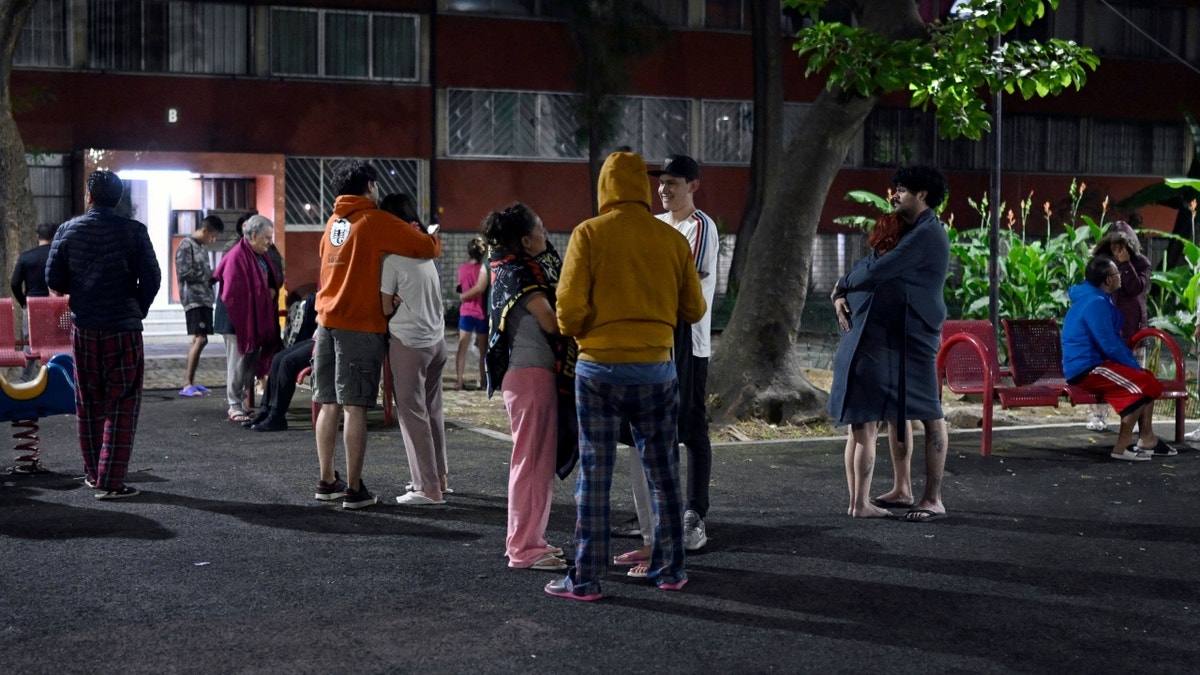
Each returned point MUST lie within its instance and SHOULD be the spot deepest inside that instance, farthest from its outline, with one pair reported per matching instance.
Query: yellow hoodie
(627, 276)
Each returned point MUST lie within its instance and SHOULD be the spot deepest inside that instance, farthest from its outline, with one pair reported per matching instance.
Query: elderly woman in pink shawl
(249, 287)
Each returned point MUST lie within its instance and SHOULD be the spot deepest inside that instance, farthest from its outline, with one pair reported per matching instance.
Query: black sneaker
(270, 424)
(119, 493)
(258, 418)
(358, 499)
(328, 492)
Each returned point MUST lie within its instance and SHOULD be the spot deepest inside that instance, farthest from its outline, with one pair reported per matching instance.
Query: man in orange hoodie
(351, 329)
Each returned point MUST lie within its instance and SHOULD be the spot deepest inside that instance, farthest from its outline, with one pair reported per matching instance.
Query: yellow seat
(26, 391)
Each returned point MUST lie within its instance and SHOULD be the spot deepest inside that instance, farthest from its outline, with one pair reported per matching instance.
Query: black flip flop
(1161, 449)
(922, 516)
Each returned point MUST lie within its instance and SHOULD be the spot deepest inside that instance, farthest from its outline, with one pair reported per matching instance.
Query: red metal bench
(968, 362)
(1035, 354)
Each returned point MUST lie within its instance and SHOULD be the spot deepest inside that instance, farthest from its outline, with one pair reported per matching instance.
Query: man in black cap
(678, 180)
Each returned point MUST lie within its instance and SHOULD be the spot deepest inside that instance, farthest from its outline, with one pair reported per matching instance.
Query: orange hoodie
(356, 238)
(627, 276)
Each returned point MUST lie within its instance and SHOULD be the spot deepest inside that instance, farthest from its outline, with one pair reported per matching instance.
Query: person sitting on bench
(1098, 360)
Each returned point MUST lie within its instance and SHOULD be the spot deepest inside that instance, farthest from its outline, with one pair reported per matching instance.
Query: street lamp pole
(994, 239)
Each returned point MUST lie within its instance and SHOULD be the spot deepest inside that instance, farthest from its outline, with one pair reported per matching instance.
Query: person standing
(1121, 244)
(678, 180)
(351, 329)
(106, 264)
(411, 294)
(29, 280)
(194, 276)
(627, 279)
(249, 291)
(867, 354)
(472, 322)
(913, 275)
(521, 362)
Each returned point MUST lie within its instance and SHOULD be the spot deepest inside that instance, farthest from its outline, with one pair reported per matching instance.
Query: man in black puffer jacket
(106, 263)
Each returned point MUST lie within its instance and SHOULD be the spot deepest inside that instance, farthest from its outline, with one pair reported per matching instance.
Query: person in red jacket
(351, 329)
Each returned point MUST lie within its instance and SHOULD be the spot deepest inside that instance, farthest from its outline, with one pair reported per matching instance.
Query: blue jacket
(106, 263)
(1091, 332)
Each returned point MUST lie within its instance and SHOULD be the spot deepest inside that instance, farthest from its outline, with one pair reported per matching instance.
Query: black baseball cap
(679, 165)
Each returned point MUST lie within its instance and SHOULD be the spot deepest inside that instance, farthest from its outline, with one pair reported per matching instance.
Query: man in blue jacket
(1096, 359)
(106, 263)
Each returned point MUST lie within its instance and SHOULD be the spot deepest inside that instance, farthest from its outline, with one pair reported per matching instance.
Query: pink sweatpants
(532, 403)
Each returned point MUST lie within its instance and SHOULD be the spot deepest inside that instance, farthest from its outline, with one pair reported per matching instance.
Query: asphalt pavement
(1053, 558)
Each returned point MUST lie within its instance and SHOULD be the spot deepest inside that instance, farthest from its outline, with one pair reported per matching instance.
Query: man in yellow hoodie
(626, 279)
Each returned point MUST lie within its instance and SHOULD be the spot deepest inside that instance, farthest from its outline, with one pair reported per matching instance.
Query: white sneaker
(694, 537)
(1131, 455)
(1097, 422)
(1193, 435)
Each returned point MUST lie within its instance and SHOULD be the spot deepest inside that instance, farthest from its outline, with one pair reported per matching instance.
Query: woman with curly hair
(523, 362)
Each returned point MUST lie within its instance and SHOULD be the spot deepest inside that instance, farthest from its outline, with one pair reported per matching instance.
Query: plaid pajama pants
(109, 367)
(652, 410)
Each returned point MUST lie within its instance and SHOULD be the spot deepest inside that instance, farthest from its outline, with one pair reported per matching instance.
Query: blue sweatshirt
(1091, 332)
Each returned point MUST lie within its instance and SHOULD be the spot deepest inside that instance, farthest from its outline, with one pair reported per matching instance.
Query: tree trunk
(17, 212)
(768, 126)
(756, 370)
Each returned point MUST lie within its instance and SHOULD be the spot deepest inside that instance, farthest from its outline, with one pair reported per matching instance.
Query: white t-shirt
(701, 234)
(420, 320)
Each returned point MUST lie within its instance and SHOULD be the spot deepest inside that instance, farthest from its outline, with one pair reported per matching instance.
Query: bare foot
(895, 496)
(936, 508)
(870, 511)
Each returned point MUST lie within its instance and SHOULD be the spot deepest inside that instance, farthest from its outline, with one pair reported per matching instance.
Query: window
(50, 182)
(654, 127)
(228, 194)
(1114, 36)
(45, 39)
(673, 12)
(347, 45)
(161, 36)
(1024, 143)
(1064, 145)
(730, 14)
(309, 196)
(484, 123)
(514, 7)
(897, 136)
(1137, 148)
(728, 131)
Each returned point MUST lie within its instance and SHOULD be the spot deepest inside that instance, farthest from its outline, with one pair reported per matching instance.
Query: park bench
(1035, 355)
(968, 362)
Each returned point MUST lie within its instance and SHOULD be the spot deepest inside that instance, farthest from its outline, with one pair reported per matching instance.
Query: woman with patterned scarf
(525, 358)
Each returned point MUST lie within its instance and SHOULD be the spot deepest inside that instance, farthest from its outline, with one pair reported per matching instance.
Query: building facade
(467, 104)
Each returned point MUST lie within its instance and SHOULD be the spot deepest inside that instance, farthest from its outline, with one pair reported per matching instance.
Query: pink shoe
(674, 586)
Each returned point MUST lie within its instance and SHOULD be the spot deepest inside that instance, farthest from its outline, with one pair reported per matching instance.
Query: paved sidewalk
(1053, 559)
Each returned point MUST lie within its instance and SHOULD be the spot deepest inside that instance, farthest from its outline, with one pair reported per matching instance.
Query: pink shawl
(250, 303)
